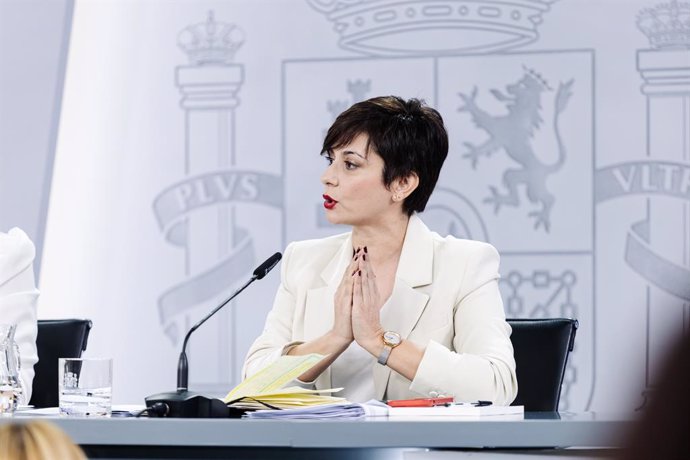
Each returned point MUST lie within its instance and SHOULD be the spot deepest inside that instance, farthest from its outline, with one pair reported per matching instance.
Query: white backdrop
(188, 152)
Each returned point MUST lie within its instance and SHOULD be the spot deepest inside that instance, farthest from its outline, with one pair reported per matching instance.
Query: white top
(445, 299)
(353, 371)
(18, 297)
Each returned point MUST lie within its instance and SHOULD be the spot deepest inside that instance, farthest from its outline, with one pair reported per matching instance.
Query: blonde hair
(37, 440)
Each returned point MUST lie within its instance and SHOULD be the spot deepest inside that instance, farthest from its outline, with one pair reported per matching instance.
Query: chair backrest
(57, 338)
(541, 352)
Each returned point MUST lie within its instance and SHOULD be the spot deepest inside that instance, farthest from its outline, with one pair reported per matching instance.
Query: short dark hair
(408, 135)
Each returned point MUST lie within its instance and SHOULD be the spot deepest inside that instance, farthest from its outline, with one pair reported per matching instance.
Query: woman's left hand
(366, 308)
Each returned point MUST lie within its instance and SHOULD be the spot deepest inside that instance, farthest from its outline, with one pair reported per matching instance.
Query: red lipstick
(328, 202)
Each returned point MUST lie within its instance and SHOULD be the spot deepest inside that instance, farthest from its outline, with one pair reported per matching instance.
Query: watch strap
(385, 353)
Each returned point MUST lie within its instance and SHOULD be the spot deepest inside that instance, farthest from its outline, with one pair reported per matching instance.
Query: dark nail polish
(364, 257)
(365, 249)
(360, 273)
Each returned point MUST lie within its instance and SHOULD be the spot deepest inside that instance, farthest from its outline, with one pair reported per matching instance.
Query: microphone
(186, 404)
(263, 269)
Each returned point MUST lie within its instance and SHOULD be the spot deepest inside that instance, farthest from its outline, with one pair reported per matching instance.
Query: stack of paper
(285, 398)
(457, 410)
(343, 411)
(266, 387)
(373, 408)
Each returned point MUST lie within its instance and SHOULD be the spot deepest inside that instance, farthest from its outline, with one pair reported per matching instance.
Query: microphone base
(188, 404)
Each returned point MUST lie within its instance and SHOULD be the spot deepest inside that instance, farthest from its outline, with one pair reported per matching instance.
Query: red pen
(420, 402)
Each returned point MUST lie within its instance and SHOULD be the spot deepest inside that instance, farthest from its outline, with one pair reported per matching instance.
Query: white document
(456, 410)
(343, 411)
(374, 408)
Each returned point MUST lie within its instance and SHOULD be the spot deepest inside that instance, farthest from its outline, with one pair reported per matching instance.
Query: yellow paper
(274, 376)
(289, 398)
(296, 397)
(298, 391)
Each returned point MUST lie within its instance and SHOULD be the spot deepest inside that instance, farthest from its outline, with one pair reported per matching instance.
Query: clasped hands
(358, 304)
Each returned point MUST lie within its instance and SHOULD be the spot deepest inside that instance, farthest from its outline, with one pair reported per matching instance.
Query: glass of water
(86, 386)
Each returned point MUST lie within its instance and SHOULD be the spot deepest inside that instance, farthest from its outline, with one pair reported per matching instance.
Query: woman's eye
(350, 165)
(329, 160)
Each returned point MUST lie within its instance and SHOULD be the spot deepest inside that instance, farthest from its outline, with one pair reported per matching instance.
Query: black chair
(57, 338)
(541, 353)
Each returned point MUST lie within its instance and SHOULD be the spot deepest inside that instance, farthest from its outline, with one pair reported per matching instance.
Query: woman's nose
(328, 177)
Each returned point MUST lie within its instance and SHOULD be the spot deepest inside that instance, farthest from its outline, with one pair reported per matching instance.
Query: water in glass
(10, 389)
(85, 387)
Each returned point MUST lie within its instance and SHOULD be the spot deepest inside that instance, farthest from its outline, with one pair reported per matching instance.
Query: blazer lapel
(406, 304)
(318, 314)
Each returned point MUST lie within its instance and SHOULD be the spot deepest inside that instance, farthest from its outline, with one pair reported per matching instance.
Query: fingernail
(365, 249)
(360, 273)
(353, 273)
(364, 257)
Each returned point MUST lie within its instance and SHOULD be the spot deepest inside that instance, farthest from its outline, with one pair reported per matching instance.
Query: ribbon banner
(662, 273)
(178, 200)
(205, 286)
(648, 178)
(208, 284)
(173, 208)
(642, 177)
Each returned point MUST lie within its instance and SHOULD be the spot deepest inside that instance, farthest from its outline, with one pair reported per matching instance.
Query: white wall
(34, 37)
(161, 205)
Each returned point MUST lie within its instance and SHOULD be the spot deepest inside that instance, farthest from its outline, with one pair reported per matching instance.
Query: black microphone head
(263, 269)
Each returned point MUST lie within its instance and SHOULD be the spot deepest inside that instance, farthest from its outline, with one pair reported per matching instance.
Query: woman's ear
(403, 187)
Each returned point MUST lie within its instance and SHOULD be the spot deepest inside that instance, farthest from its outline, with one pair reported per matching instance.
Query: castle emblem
(358, 90)
(512, 133)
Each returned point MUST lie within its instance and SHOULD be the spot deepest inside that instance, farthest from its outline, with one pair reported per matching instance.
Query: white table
(378, 438)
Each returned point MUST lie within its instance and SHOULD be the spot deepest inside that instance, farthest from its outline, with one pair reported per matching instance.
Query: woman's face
(354, 193)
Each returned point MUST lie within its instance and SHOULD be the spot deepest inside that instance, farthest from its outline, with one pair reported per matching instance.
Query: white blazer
(445, 299)
(18, 297)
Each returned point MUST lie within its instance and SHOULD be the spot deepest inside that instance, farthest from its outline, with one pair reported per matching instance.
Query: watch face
(391, 338)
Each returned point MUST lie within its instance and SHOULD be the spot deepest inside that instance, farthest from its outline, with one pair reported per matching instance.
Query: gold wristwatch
(390, 340)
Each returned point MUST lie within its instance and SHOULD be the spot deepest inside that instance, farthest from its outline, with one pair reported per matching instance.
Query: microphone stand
(182, 364)
(187, 404)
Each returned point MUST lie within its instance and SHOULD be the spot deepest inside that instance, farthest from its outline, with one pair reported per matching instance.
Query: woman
(37, 440)
(398, 311)
(18, 297)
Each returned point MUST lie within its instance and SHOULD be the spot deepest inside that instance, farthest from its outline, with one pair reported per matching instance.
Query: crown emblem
(211, 42)
(358, 89)
(536, 78)
(667, 25)
(392, 27)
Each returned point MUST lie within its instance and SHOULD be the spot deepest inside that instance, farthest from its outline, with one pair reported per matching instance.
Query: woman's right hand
(342, 324)
(334, 342)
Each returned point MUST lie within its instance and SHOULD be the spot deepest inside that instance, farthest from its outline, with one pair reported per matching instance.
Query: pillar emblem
(657, 247)
(198, 214)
